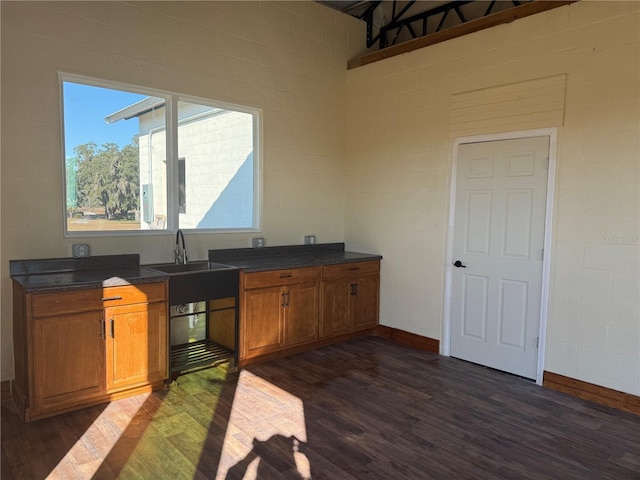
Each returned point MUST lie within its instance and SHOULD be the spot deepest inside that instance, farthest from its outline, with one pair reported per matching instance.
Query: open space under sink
(203, 294)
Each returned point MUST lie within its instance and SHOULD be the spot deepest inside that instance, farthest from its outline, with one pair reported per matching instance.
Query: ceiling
(392, 22)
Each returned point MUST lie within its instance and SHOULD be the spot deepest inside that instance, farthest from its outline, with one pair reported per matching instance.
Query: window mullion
(172, 163)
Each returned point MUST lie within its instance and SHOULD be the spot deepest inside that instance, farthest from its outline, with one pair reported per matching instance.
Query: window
(119, 176)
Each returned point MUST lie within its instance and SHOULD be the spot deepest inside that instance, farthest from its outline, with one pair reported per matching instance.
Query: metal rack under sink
(205, 293)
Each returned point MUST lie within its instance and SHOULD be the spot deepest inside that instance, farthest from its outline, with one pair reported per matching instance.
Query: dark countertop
(282, 258)
(61, 274)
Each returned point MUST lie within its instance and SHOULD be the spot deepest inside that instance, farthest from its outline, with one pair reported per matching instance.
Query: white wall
(287, 58)
(399, 154)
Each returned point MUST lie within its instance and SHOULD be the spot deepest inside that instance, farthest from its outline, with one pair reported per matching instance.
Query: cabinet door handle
(354, 289)
(286, 303)
(283, 294)
(113, 329)
(103, 329)
(106, 299)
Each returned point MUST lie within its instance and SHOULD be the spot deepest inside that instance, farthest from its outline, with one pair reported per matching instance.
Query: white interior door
(497, 251)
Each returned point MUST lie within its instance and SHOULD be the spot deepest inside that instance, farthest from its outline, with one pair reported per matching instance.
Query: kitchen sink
(189, 285)
(179, 268)
(199, 281)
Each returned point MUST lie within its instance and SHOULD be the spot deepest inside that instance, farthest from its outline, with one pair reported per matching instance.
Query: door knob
(458, 264)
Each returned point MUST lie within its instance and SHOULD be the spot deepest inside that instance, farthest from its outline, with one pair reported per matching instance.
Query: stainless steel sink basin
(199, 281)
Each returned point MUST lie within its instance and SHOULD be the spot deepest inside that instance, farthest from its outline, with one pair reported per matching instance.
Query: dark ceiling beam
(395, 19)
(367, 16)
(505, 16)
(398, 23)
(490, 7)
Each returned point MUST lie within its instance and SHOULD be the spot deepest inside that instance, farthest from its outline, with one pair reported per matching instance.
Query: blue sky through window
(86, 106)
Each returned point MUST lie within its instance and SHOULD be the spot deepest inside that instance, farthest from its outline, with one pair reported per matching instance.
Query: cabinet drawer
(281, 277)
(349, 269)
(127, 294)
(48, 304)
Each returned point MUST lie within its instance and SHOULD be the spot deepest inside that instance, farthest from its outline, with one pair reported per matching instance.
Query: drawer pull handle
(286, 275)
(354, 268)
(106, 299)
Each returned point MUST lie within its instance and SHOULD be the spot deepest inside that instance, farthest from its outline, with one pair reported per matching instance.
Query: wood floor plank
(363, 409)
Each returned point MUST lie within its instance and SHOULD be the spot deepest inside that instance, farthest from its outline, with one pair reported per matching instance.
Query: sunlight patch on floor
(171, 427)
(264, 418)
(86, 456)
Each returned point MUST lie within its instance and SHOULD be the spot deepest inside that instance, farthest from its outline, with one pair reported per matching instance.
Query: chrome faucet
(180, 254)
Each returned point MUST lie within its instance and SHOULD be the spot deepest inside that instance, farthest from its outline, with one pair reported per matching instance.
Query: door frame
(552, 133)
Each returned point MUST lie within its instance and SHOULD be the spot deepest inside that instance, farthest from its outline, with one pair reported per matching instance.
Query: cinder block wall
(287, 58)
(399, 160)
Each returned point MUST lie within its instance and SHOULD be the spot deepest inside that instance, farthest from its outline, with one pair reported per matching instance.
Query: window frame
(171, 123)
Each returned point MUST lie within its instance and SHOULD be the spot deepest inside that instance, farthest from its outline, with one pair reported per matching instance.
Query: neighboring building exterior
(214, 171)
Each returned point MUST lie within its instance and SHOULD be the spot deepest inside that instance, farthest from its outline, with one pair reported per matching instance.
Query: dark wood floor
(364, 409)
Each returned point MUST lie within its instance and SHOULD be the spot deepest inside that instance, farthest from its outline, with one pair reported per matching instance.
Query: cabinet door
(335, 307)
(262, 321)
(136, 344)
(68, 360)
(301, 314)
(364, 307)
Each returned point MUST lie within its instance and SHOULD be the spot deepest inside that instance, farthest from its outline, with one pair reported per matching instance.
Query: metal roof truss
(427, 22)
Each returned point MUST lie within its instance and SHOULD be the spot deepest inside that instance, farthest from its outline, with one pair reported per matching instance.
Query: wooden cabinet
(262, 321)
(136, 345)
(350, 295)
(335, 307)
(67, 360)
(292, 310)
(84, 347)
(364, 302)
(279, 310)
(300, 314)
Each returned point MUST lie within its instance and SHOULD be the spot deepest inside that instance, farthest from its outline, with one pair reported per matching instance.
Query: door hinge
(537, 342)
(547, 163)
(542, 254)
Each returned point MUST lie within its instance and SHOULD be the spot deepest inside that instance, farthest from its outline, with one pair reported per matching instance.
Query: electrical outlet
(80, 250)
(309, 239)
(257, 242)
